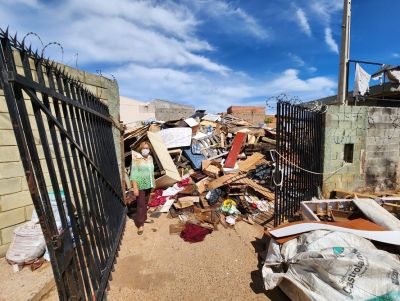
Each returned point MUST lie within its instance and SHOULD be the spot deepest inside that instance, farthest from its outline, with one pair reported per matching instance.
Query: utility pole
(344, 53)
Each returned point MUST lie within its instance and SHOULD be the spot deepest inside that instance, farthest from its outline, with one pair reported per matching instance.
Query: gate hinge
(57, 240)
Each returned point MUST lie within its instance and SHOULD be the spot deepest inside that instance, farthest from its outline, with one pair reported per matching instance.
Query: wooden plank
(250, 162)
(235, 149)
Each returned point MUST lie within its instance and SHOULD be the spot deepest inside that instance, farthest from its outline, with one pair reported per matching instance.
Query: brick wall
(15, 200)
(254, 115)
(375, 139)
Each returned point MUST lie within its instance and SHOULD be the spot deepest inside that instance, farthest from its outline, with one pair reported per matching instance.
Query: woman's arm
(134, 171)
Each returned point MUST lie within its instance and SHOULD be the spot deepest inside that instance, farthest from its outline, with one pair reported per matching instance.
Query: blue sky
(209, 53)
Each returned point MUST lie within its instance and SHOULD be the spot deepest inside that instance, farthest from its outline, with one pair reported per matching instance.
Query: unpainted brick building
(252, 114)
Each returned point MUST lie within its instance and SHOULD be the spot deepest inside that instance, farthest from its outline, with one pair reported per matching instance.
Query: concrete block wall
(375, 133)
(381, 164)
(167, 110)
(343, 125)
(15, 201)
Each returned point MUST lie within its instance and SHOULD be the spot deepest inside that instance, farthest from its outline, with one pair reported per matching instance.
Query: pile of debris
(209, 170)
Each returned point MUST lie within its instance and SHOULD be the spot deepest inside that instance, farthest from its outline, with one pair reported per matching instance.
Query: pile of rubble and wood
(209, 170)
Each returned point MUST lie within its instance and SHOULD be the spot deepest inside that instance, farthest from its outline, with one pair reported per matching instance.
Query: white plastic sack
(27, 245)
(57, 217)
(325, 265)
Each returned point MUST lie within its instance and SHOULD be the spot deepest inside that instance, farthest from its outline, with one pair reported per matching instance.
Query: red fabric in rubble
(194, 233)
(157, 199)
(184, 182)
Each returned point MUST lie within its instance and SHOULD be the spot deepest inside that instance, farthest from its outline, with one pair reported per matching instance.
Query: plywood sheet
(171, 175)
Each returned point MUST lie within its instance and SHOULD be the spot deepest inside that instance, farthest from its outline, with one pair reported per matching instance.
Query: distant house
(167, 110)
(133, 112)
(252, 114)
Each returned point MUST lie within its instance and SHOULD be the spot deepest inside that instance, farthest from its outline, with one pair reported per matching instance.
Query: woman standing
(142, 178)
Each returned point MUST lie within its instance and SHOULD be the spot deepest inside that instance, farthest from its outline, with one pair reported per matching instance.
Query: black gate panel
(299, 158)
(64, 136)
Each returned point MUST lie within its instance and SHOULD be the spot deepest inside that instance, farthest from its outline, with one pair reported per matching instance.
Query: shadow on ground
(257, 284)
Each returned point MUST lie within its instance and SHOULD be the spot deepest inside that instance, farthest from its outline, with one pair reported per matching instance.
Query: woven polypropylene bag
(27, 245)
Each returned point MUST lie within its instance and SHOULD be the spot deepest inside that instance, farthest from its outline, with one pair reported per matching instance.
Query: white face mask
(145, 152)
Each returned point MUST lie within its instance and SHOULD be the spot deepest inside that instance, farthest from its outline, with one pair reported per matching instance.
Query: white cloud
(313, 69)
(325, 8)
(333, 46)
(303, 21)
(290, 82)
(144, 32)
(296, 59)
(29, 3)
(215, 93)
(157, 52)
(396, 55)
(237, 19)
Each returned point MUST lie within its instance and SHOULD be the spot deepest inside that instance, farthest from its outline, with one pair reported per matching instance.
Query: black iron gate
(64, 136)
(299, 157)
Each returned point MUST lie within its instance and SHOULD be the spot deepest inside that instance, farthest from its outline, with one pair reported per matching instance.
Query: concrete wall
(167, 110)
(380, 166)
(376, 149)
(133, 112)
(15, 200)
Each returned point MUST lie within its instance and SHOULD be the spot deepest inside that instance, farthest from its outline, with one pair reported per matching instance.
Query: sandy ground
(160, 266)
(26, 284)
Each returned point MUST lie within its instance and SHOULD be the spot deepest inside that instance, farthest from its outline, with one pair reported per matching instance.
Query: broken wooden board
(171, 175)
(235, 149)
(202, 185)
(265, 192)
(269, 140)
(221, 181)
(210, 168)
(251, 162)
(181, 204)
(190, 198)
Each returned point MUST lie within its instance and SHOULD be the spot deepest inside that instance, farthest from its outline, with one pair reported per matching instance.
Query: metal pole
(344, 52)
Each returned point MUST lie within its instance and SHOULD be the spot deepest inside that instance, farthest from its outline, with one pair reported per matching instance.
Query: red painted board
(235, 149)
